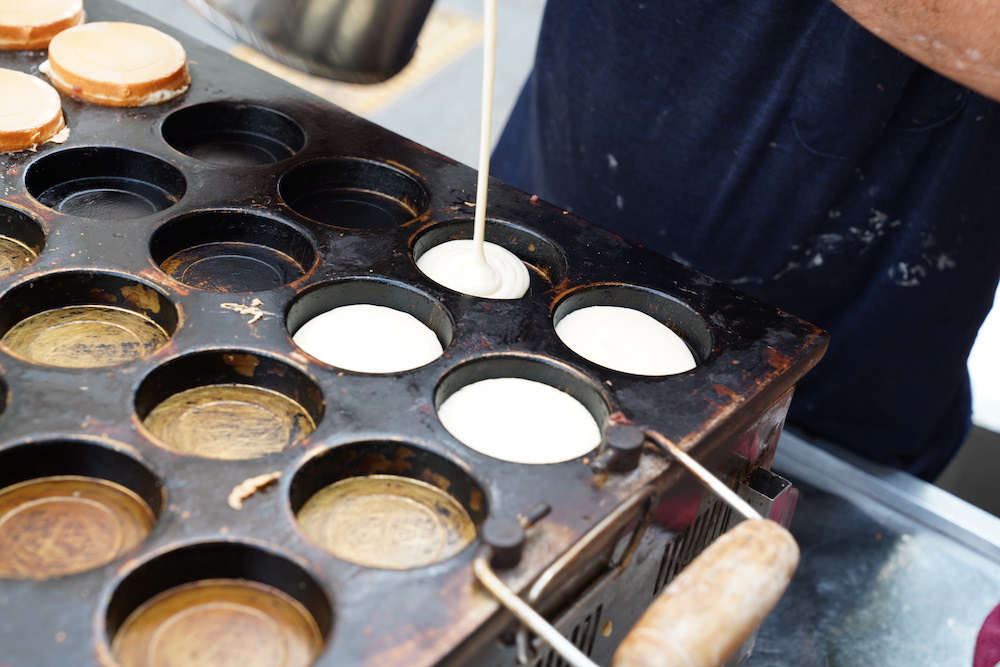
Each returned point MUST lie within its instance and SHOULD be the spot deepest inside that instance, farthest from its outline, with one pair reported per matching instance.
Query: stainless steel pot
(358, 41)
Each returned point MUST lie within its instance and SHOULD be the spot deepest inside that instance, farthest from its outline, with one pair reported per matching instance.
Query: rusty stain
(142, 297)
(777, 359)
(99, 296)
(723, 390)
(618, 417)
(476, 501)
(244, 364)
(377, 463)
(250, 486)
(435, 479)
(180, 287)
(380, 463)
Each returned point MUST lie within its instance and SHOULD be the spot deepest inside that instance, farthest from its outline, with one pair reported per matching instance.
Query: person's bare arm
(958, 38)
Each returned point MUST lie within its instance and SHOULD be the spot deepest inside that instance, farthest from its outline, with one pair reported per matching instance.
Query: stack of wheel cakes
(186, 480)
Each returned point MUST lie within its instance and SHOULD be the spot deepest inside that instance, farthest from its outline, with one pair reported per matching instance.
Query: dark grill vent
(583, 636)
(711, 522)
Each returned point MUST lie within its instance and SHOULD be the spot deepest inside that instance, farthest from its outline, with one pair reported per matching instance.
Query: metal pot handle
(706, 613)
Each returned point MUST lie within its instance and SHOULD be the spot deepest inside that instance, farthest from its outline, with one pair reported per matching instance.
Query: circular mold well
(354, 193)
(105, 183)
(621, 332)
(225, 604)
(233, 134)
(85, 319)
(21, 239)
(545, 261)
(232, 251)
(522, 409)
(370, 325)
(229, 405)
(71, 506)
(387, 505)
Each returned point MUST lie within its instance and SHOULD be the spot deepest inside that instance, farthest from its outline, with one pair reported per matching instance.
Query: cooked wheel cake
(117, 64)
(31, 25)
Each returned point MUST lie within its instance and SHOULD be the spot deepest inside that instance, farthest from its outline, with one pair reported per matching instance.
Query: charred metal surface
(297, 198)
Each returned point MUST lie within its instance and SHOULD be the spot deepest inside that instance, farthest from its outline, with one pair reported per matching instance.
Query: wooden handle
(716, 602)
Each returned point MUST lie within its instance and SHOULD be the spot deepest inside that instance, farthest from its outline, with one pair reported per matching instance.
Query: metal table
(894, 571)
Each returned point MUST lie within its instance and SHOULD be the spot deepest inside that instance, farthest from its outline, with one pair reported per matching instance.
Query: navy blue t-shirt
(779, 146)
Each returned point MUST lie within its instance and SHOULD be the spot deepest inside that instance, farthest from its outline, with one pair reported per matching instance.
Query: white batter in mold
(369, 339)
(477, 267)
(626, 340)
(521, 421)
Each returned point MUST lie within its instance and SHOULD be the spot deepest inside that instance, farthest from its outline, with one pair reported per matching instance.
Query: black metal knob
(623, 448)
(506, 539)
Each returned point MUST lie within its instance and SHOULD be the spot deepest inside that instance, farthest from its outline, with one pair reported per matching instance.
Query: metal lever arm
(716, 602)
(708, 611)
(564, 647)
(720, 599)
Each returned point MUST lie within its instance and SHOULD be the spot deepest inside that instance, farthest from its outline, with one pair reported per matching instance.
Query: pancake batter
(369, 339)
(626, 340)
(519, 420)
(477, 267)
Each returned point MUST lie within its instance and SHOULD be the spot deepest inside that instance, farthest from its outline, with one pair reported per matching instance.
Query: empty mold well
(226, 604)
(105, 183)
(85, 319)
(387, 504)
(228, 404)
(233, 133)
(354, 193)
(71, 506)
(232, 251)
(21, 239)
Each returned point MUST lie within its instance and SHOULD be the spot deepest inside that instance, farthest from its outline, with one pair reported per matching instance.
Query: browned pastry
(117, 64)
(31, 24)
(30, 111)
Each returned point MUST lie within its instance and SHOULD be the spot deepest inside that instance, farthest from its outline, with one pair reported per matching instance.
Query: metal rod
(564, 647)
(565, 561)
(704, 476)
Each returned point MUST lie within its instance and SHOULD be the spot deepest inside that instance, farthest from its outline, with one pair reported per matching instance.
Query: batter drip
(476, 267)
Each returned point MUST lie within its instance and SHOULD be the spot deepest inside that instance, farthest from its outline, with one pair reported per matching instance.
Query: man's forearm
(958, 38)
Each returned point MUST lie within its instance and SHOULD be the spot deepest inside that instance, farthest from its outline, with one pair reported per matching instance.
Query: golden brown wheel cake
(30, 111)
(30, 24)
(117, 64)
